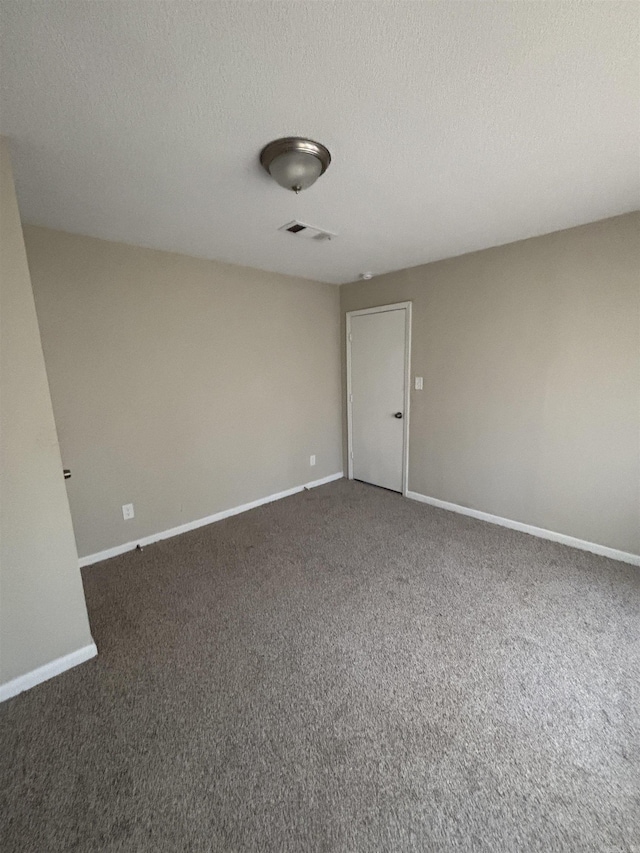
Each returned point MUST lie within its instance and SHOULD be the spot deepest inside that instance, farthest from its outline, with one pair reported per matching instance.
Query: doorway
(378, 369)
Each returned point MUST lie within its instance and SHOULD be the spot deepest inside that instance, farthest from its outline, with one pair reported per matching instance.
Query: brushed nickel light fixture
(295, 163)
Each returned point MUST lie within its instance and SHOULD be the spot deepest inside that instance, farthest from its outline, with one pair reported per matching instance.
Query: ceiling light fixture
(295, 163)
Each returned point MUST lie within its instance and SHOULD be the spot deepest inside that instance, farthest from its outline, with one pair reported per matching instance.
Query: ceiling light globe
(295, 170)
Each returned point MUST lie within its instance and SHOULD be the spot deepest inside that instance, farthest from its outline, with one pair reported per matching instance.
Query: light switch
(419, 381)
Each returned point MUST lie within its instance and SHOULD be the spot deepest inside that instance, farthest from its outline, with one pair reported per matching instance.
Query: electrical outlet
(312, 460)
(419, 383)
(127, 511)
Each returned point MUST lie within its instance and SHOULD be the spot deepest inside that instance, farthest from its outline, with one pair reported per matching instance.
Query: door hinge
(350, 337)
(351, 398)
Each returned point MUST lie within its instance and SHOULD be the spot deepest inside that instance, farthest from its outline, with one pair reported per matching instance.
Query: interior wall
(42, 609)
(183, 386)
(530, 354)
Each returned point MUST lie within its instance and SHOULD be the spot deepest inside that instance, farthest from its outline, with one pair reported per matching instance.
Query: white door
(378, 369)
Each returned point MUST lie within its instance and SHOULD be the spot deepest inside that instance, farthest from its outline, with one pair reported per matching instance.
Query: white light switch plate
(312, 460)
(419, 381)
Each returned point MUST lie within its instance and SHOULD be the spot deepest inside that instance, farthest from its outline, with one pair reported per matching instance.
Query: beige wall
(183, 386)
(42, 609)
(530, 354)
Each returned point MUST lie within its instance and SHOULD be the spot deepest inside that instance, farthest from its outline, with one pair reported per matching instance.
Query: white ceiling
(453, 126)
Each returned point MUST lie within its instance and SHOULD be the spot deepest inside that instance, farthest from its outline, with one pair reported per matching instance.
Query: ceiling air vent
(308, 232)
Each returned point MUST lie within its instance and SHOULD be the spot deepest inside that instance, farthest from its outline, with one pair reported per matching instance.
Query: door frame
(382, 309)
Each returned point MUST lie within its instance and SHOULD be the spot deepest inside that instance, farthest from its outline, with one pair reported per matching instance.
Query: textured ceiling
(453, 126)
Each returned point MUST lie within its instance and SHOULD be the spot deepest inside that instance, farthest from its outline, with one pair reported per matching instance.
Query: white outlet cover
(419, 383)
(127, 511)
(312, 460)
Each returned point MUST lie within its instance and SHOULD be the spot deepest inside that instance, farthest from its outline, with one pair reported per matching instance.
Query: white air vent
(308, 232)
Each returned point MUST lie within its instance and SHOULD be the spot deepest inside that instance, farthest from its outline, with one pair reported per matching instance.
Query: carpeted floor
(343, 670)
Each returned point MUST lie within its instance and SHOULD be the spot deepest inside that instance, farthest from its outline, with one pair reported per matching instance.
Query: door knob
(398, 415)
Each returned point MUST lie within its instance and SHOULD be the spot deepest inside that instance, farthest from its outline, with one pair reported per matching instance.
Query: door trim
(381, 309)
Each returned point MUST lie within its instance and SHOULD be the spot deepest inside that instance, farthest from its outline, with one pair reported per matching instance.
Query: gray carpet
(343, 670)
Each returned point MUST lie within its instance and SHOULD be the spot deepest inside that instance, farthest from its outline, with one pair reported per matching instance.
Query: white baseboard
(47, 671)
(201, 522)
(582, 544)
